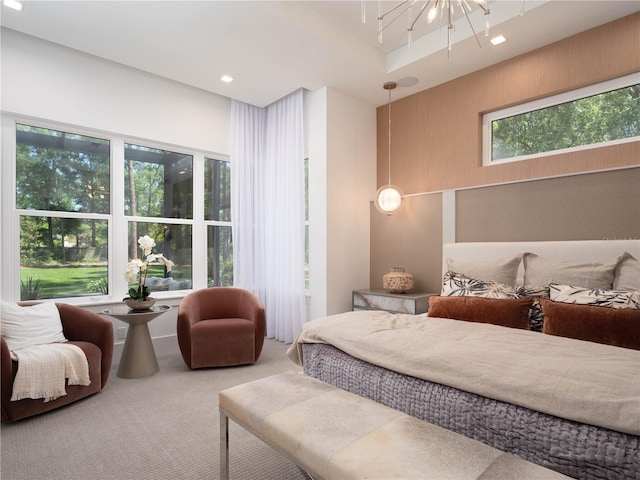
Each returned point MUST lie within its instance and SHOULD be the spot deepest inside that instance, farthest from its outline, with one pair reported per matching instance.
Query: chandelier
(444, 10)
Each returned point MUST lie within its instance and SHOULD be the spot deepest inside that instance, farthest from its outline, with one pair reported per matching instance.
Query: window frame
(117, 236)
(577, 94)
(213, 223)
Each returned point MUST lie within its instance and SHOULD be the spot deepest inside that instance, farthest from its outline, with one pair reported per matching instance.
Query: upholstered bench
(333, 434)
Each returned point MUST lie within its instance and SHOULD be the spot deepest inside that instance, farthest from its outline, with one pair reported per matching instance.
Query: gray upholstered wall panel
(577, 207)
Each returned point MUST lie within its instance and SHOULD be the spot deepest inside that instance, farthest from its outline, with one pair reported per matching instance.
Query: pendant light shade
(388, 197)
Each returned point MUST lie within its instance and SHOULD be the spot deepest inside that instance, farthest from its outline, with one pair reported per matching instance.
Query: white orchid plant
(137, 268)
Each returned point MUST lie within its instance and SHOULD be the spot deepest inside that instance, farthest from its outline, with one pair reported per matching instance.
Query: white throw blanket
(42, 370)
(581, 381)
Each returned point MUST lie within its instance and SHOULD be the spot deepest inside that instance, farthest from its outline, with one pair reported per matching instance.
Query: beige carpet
(160, 427)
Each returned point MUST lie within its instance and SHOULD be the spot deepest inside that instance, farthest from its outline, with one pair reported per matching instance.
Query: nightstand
(413, 303)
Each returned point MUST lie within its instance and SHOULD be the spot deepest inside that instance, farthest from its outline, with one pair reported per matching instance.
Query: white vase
(135, 304)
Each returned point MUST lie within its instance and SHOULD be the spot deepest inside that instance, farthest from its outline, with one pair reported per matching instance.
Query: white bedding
(581, 381)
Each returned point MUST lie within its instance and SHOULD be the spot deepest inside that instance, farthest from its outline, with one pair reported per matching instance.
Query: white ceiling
(272, 48)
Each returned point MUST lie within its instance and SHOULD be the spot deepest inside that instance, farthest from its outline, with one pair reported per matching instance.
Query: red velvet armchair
(220, 326)
(88, 330)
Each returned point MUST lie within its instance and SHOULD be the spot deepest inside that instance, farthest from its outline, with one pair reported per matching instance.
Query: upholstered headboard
(578, 251)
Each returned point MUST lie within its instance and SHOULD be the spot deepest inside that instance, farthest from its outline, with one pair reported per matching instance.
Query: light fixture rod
(389, 86)
(388, 197)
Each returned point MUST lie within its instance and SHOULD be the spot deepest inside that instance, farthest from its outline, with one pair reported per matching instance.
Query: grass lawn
(72, 281)
(64, 281)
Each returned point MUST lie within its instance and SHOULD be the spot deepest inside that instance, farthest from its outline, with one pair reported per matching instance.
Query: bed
(566, 397)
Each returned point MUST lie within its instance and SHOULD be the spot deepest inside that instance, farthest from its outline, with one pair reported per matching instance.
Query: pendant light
(388, 197)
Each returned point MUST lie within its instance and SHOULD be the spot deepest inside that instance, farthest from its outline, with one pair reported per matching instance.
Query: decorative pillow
(456, 284)
(536, 315)
(34, 325)
(627, 274)
(604, 298)
(610, 326)
(504, 270)
(508, 312)
(542, 271)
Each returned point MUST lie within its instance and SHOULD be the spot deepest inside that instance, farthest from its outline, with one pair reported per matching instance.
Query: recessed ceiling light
(13, 4)
(226, 79)
(498, 40)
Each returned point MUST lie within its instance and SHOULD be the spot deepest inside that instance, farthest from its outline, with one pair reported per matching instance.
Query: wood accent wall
(436, 134)
(436, 137)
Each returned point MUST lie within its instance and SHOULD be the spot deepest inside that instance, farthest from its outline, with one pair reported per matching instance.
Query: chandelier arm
(419, 14)
(466, 15)
(464, 5)
(480, 4)
(381, 17)
(392, 20)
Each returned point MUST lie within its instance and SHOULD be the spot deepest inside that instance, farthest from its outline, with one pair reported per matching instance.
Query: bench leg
(224, 447)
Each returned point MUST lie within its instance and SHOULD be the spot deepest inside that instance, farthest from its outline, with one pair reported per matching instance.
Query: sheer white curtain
(268, 209)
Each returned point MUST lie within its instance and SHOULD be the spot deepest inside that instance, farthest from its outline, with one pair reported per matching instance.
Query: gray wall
(579, 207)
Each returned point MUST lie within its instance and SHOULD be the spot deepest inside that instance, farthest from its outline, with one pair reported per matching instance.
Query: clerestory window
(599, 115)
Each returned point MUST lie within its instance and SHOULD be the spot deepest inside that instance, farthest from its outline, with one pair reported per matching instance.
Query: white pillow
(627, 273)
(27, 326)
(504, 270)
(542, 271)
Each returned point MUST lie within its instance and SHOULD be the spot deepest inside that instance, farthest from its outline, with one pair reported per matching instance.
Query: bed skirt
(574, 449)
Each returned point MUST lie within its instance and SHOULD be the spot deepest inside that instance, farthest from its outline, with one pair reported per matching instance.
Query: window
(79, 201)
(217, 181)
(595, 116)
(159, 184)
(62, 198)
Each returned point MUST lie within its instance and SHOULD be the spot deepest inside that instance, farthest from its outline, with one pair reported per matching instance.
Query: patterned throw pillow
(458, 285)
(618, 299)
(536, 315)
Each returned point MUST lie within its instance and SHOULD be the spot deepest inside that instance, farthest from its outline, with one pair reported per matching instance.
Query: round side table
(138, 356)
